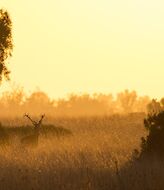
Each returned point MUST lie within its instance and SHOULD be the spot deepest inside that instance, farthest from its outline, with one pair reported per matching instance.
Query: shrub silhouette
(153, 144)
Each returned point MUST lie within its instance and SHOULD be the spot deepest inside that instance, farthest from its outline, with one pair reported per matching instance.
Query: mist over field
(84, 158)
(16, 103)
(98, 137)
(83, 143)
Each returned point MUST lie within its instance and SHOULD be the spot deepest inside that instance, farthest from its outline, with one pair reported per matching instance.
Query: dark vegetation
(6, 44)
(153, 143)
(145, 169)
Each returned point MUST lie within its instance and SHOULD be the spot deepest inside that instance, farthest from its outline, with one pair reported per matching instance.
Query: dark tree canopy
(153, 144)
(6, 43)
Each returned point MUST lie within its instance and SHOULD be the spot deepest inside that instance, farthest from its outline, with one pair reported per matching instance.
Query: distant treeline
(17, 103)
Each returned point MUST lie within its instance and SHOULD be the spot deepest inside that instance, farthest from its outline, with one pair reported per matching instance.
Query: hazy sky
(65, 46)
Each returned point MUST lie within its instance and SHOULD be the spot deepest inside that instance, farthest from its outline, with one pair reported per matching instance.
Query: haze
(87, 46)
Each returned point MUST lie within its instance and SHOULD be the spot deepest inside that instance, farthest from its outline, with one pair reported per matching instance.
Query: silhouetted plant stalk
(120, 181)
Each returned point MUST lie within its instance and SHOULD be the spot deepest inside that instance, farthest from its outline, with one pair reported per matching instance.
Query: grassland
(96, 155)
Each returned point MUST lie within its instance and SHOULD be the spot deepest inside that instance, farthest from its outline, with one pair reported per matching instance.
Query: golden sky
(65, 46)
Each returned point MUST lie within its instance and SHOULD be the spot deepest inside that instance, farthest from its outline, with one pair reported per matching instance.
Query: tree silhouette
(153, 144)
(126, 101)
(6, 43)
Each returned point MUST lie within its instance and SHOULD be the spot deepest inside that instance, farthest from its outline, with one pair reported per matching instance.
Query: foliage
(127, 100)
(6, 44)
(16, 102)
(153, 144)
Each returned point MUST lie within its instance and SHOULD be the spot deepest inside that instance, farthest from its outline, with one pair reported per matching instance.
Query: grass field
(85, 153)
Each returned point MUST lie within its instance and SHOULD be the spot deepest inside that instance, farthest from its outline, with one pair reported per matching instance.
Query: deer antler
(42, 116)
(40, 121)
(25, 115)
(36, 124)
(33, 122)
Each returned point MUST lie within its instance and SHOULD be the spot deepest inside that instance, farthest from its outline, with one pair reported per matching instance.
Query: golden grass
(96, 156)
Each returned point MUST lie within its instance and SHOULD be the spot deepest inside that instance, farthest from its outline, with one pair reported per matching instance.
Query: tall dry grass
(96, 156)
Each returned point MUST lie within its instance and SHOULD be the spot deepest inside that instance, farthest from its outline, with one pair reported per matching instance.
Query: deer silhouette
(33, 138)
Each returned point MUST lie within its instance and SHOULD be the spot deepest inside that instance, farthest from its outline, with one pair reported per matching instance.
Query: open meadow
(79, 153)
